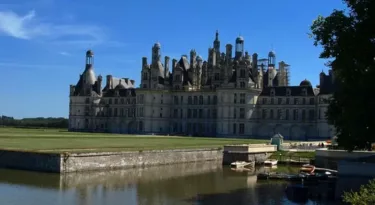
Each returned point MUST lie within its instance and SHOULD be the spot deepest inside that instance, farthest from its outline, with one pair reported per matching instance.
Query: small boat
(307, 168)
(270, 162)
(240, 164)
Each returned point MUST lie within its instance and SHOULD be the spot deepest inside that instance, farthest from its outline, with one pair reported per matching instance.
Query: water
(199, 183)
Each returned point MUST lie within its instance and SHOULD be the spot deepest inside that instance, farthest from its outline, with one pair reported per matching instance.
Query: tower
(239, 47)
(156, 53)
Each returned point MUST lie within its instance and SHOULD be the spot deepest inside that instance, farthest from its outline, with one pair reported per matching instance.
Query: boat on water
(270, 162)
(240, 164)
(307, 169)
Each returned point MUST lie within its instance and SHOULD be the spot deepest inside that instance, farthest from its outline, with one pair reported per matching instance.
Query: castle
(225, 96)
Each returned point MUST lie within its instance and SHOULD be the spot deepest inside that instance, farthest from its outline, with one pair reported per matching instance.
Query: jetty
(257, 153)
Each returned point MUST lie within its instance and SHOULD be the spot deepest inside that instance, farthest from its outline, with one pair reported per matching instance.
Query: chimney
(228, 51)
(174, 63)
(166, 66)
(109, 82)
(99, 85)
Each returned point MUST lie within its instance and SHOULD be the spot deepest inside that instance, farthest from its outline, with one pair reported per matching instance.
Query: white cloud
(64, 53)
(29, 27)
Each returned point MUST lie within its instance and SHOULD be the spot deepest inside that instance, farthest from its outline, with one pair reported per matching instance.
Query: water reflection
(196, 183)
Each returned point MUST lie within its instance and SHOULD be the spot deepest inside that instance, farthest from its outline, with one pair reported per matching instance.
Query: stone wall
(33, 161)
(330, 158)
(258, 158)
(117, 160)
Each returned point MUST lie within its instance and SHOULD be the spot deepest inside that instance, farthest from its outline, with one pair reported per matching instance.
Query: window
(175, 100)
(110, 101)
(303, 114)
(279, 114)
(141, 112)
(201, 100)
(195, 115)
(195, 100)
(242, 73)
(264, 114)
(177, 78)
(312, 101)
(115, 112)
(311, 114)
(287, 101)
(182, 100)
(279, 101)
(242, 128)
(235, 113)
(304, 92)
(140, 126)
(242, 98)
(295, 114)
(144, 86)
(217, 76)
(122, 112)
(242, 84)
(271, 114)
(122, 101)
(235, 98)
(272, 101)
(296, 101)
(303, 101)
(208, 99)
(234, 128)
(272, 92)
(190, 100)
(319, 114)
(288, 92)
(242, 113)
(181, 113)
(215, 100)
(109, 111)
(287, 114)
(175, 113)
(144, 76)
(200, 113)
(189, 113)
(208, 113)
(214, 113)
(141, 99)
(264, 101)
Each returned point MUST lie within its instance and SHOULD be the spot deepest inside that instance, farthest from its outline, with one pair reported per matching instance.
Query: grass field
(53, 140)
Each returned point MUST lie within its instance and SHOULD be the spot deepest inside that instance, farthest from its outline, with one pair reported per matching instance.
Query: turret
(174, 63)
(217, 47)
(99, 85)
(89, 75)
(144, 62)
(255, 64)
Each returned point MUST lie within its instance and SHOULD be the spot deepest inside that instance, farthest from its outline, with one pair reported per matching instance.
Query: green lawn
(53, 140)
(292, 155)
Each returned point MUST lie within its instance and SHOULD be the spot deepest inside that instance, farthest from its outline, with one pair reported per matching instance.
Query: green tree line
(38, 122)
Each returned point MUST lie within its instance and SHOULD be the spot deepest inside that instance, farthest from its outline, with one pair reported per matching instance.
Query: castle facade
(231, 94)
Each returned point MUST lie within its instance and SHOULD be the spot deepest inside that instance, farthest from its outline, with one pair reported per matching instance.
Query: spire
(217, 35)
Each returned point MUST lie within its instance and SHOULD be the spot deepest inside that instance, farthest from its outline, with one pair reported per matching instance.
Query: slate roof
(282, 90)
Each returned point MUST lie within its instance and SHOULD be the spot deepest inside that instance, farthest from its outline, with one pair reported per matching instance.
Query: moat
(197, 183)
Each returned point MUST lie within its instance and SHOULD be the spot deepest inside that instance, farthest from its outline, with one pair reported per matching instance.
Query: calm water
(199, 183)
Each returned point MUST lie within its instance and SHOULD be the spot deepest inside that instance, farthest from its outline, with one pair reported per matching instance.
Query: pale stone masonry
(231, 96)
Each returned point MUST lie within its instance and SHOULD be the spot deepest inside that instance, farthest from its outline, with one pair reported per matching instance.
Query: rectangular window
(264, 101)
(195, 113)
(242, 113)
(208, 99)
(303, 114)
(295, 114)
(200, 113)
(264, 114)
(287, 101)
(312, 101)
(189, 113)
(287, 114)
(311, 114)
(234, 113)
(175, 113)
(217, 76)
(214, 113)
(272, 101)
(271, 114)
(141, 111)
(296, 101)
(242, 98)
(116, 101)
(242, 128)
(235, 98)
(234, 128)
(279, 114)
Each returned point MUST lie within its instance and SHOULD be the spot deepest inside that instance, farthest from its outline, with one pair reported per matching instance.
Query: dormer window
(272, 92)
(288, 92)
(304, 92)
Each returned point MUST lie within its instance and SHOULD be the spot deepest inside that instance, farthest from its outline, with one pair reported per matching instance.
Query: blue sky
(43, 42)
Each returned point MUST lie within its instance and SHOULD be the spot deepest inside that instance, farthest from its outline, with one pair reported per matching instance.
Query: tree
(365, 195)
(348, 41)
